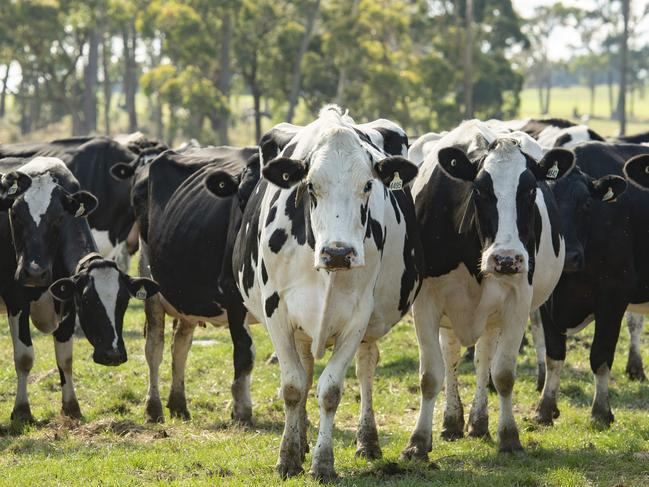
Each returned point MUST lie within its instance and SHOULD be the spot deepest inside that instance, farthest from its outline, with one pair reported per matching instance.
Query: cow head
(636, 170)
(36, 218)
(337, 178)
(101, 292)
(504, 190)
(575, 195)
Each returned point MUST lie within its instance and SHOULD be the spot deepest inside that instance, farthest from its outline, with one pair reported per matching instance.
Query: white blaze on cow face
(339, 182)
(106, 281)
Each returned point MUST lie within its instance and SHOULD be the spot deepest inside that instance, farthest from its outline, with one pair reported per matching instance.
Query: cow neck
(77, 245)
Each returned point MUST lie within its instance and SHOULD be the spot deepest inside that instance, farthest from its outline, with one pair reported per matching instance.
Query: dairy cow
(494, 251)
(328, 253)
(43, 238)
(607, 273)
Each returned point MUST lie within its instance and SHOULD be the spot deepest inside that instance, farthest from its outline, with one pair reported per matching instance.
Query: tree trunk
(256, 96)
(225, 76)
(468, 62)
(592, 98)
(130, 81)
(23, 99)
(540, 92)
(3, 94)
(297, 67)
(609, 81)
(90, 84)
(106, 52)
(624, 45)
(548, 94)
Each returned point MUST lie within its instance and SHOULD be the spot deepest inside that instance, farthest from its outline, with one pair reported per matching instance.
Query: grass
(113, 446)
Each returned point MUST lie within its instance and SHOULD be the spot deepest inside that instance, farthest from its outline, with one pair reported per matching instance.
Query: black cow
(43, 239)
(185, 247)
(607, 268)
(641, 138)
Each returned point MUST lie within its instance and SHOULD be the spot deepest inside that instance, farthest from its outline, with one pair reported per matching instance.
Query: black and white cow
(549, 132)
(42, 239)
(494, 251)
(185, 247)
(327, 254)
(640, 138)
(610, 270)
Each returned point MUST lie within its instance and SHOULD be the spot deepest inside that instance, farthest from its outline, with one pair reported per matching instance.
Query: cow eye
(309, 188)
(368, 187)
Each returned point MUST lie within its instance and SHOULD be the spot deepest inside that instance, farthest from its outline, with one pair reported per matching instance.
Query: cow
(640, 138)
(607, 272)
(328, 253)
(175, 212)
(44, 239)
(494, 251)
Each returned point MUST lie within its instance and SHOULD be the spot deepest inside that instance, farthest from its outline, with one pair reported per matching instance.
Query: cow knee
(504, 381)
(24, 362)
(330, 397)
(292, 394)
(431, 384)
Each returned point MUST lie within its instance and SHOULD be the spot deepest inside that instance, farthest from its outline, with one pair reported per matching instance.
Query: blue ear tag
(609, 195)
(13, 189)
(80, 211)
(141, 293)
(396, 184)
(553, 172)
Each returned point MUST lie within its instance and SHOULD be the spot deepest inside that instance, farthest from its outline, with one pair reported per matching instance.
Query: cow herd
(328, 234)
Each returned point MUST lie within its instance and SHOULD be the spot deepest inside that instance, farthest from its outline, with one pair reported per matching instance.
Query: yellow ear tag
(80, 211)
(609, 195)
(141, 293)
(13, 189)
(396, 184)
(553, 172)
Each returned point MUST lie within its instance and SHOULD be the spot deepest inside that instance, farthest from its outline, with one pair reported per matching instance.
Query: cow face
(338, 180)
(101, 293)
(504, 191)
(36, 218)
(575, 195)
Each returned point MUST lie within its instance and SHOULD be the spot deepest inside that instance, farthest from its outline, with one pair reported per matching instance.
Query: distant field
(565, 100)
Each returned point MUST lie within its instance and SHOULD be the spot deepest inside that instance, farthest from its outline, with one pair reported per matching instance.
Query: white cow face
(337, 182)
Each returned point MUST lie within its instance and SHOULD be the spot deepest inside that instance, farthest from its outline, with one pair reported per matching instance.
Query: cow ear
(141, 287)
(395, 171)
(14, 184)
(607, 188)
(285, 172)
(80, 203)
(636, 170)
(456, 164)
(221, 184)
(122, 171)
(63, 289)
(555, 164)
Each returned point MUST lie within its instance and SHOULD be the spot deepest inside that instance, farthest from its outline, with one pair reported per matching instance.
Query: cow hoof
(479, 427)
(289, 469)
(71, 409)
(546, 412)
(602, 419)
(242, 417)
(453, 428)
(153, 411)
(417, 448)
(324, 474)
(177, 405)
(369, 451)
(540, 377)
(635, 370)
(509, 442)
(22, 414)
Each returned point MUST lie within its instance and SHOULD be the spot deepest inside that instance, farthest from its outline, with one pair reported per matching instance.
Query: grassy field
(113, 446)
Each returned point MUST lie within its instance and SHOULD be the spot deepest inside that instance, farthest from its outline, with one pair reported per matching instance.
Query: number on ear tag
(80, 211)
(553, 172)
(13, 189)
(396, 184)
(141, 293)
(609, 195)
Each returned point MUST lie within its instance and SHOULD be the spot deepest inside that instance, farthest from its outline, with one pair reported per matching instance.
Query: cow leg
(244, 361)
(453, 426)
(306, 357)
(180, 345)
(63, 345)
(555, 341)
(634, 366)
(484, 351)
(536, 326)
(154, 329)
(330, 388)
(431, 374)
(367, 438)
(503, 372)
(23, 362)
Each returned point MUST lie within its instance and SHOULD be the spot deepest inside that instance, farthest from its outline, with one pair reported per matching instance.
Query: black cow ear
(221, 184)
(80, 203)
(636, 170)
(285, 172)
(555, 164)
(14, 184)
(63, 289)
(456, 164)
(607, 188)
(141, 287)
(396, 171)
(122, 171)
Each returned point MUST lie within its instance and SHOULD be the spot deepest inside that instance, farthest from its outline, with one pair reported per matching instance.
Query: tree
(624, 55)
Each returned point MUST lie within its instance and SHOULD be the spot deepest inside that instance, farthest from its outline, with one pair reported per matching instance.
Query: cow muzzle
(574, 261)
(337, 256)
(506, 263)
(34, 275)
(110, 357)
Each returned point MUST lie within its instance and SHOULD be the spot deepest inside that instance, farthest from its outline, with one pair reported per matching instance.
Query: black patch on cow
(288, 151)
(395, 206)
(364, 213)
(299, 215)
(366, 138)
(595, 136)
(538, 228)
(374, 229)
(264, 272)
(271, 215)
(393, 141)
(61, 376)
(563, 140)
(271, 304)
(277, 240)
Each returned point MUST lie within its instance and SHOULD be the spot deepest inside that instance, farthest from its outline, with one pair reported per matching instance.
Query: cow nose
(574, 261)
(337, 257)
(34, 275)
(508, 263)
(110, 357)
